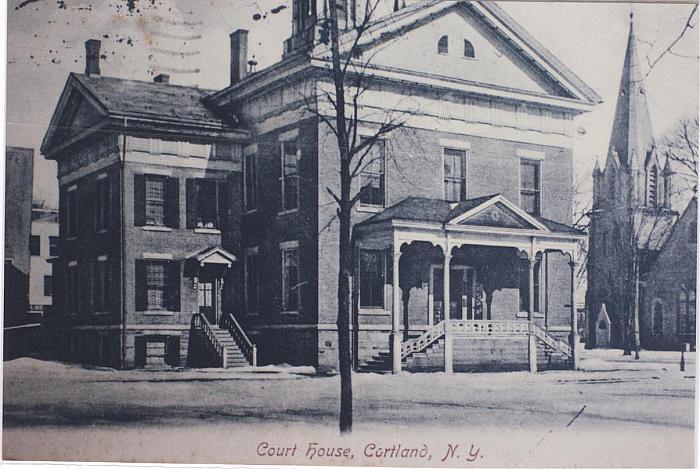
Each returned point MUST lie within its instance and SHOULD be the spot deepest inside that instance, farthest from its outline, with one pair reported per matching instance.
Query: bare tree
(690, 23)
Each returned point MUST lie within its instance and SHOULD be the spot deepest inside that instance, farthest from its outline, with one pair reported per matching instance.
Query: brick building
(632, 219)
(477, 183)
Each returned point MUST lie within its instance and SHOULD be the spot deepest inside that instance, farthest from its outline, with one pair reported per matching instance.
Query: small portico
(480, 261)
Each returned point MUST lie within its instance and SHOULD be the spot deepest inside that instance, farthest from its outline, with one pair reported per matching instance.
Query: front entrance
(463, 293)
(207, 300)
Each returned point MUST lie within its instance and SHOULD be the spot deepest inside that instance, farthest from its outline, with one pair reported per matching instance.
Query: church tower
(309, 17)
(631, 201)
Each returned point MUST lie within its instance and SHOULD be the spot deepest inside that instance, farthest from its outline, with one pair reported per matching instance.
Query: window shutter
(173, 286)
(224, 195)
(172, 208)
(141, 287)
(191, 195)
(139, 200)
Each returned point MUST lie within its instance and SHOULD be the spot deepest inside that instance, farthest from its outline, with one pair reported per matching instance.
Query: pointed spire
(667, 166)
(596, 169)
(632, 135)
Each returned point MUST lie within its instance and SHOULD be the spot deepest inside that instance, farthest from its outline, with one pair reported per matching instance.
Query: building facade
(631, 222)
(468, 207)
(43, 249)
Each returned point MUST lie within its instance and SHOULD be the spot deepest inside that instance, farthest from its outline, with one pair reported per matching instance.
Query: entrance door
(462, 281)
(207, 300)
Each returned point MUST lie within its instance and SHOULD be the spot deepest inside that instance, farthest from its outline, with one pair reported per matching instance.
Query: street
(616, 411)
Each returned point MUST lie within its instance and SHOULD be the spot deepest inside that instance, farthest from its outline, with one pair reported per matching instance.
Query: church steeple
(632, 136)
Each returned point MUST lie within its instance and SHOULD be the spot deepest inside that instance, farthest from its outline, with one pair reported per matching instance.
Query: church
(641, 256)
(197, 227)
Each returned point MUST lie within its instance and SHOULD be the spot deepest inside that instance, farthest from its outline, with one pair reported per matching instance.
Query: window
(686, 312)
(101, 285)
(290, 175)
(658, 317)
(102, 204)
(455, 174)
(35, 245)
(156, 201)
(372, 176)
(48, 285)
(652, 187)
(290, 280)
(250, 182)
(372, 278)
(525, 285)
(157, 285)
(251, 282)
(53, 246)
(530, 186)
(468, 49)
(207, 203)
(72, 212)
(443, 45)
(72, 289)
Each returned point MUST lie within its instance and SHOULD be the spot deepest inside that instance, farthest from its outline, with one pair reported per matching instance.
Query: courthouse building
(196, 226)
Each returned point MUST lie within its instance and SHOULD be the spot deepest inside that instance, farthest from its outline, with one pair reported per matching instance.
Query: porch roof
(494, 211)
(213, 255)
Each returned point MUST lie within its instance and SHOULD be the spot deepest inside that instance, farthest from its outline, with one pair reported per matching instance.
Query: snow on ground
(618, 411)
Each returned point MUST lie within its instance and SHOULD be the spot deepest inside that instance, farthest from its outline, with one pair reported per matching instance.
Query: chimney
(92, 57)
(239, 55)
(162, 78)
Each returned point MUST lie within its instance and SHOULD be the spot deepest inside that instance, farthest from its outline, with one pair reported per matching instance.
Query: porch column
(446, 310)
(395, 315)
(531, 315)
(574, 317)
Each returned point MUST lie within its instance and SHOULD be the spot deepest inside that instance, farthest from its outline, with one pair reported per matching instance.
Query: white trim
(289, 135)
(157, 172)
(529, 154)
(72, 263)
(102, 258)
(366, 132)
(157, 312)
(369, 208)
(207, 230)
(72, 188)
(455, 144)
(156, 228)
(102, 176)
(287, 245)
(494, 200)
(250, 149)
(253, 251)
(157, 255)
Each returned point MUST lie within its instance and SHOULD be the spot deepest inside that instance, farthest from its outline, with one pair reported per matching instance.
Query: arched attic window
(443, 45)
(468, 49)
(652, 187)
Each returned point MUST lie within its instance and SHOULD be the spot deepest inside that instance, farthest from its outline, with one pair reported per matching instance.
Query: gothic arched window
(658, 317)
(468, 49)
(652, 187)
(443, 45)
(686, 311)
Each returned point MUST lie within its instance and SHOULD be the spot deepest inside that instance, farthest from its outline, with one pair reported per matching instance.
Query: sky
(190, 41)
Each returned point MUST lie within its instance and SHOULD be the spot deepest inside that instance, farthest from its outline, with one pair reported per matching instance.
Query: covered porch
(474, 285)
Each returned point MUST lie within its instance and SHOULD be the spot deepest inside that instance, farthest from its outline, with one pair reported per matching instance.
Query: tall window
(157, 285)
(525, 285)
(372, 278)
(652, 187)
(53, 246)
(72, 289)
(290, 280)
(658, 317)
(443, 45)
(156, 201)
(35, 245)
(48, 285)
(686, 312)
(455, 174)
(250, 182)
(372, 176)
(72, 212)
(251, 282)
(207, 203)
(468, 49)
(102, 285)
(290, 175)
(102, 202)
(530, 186)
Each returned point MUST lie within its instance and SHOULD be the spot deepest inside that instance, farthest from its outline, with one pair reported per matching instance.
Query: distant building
(19, 164)
(43, 248)
(632, 218)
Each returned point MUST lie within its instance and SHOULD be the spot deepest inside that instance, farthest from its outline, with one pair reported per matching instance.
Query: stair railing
(552, 342)
(423, 341)
(249, 349)
(200, 322)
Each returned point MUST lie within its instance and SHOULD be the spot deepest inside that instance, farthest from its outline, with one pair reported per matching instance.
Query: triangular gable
(419, 29)
(77, 110)
(214, 255)
(499, 212)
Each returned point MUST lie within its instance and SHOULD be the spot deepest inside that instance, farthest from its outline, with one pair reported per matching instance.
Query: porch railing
(551, 342)
(200, 322)
(249, 349)
(424, 341)
(488, 328)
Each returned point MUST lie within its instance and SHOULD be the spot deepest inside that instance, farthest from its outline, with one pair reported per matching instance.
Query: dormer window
(468, 49)
(443, 45)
